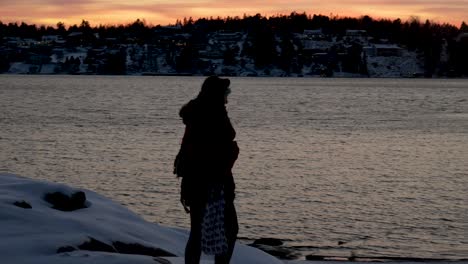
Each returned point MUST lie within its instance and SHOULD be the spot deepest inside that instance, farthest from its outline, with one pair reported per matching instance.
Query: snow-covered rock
(37, 234)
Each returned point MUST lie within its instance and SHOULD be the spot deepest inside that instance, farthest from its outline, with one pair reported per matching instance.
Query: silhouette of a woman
(207, 155)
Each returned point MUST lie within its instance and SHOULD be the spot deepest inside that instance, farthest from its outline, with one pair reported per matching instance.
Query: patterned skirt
(213, 231)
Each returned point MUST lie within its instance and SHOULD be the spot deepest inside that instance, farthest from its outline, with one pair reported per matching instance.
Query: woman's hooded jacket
(208, 147)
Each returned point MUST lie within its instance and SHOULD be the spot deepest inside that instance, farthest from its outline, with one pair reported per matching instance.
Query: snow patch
(33, 235)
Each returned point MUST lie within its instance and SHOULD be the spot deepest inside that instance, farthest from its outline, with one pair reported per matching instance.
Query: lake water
(339, 167)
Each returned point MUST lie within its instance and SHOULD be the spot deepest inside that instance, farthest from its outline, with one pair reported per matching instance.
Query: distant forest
(431, 40)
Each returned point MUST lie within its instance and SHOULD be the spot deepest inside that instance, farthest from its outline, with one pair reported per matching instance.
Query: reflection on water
(373, 167)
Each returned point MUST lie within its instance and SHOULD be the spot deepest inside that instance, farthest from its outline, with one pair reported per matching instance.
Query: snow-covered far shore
(44, 222)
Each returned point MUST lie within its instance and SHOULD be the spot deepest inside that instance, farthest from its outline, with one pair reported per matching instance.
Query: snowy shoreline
(34, 232)
(36, 229)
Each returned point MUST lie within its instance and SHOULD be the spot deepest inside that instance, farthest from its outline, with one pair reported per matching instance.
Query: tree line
(433, 41)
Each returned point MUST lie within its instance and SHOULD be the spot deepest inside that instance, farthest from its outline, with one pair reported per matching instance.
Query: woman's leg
(193, 248)
(232, 228)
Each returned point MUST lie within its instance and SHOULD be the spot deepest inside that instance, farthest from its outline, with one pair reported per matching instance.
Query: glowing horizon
(164, 12)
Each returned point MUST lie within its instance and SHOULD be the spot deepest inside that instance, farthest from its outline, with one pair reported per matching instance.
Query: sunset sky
(49, 12)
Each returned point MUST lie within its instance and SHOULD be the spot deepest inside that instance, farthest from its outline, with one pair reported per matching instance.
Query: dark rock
(65, 249)
(78, 199)
(119, 247)
(341, 243)
(268, 242)
(64, 202)
(274, 247)
(313, 257)
(96, 245)
(138, 249)
(23, 204)
(277, 251)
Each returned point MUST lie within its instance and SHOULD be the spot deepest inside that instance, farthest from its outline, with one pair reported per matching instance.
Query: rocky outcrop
(274, 247)
(268, 242)
(23, 204)
(65, 202)
(96, 245)
(117, 247)
(138, 249)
